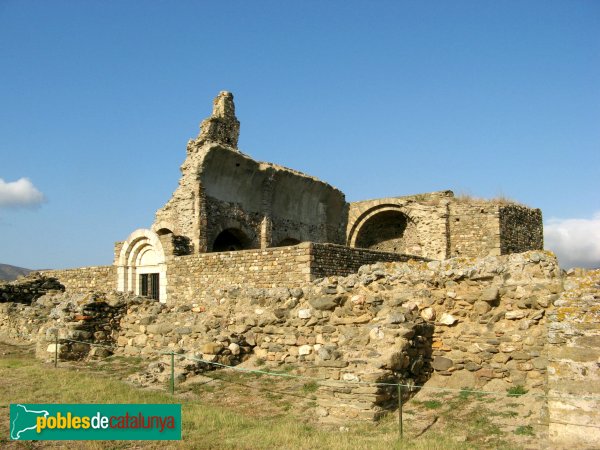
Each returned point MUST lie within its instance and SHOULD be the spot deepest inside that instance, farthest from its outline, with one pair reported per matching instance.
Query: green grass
(509, 414)
(432, 404)
(516, 391)
(310, 387)
(205, 426)
(524, 430)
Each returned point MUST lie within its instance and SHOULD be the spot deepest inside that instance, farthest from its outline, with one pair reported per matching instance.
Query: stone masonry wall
(221, 188)
(574, 362)
(223, 215)
(456, 323)
(521, 229)
(29, 288)
(330, 259)
(426, 232)
(474, 229)
(193, 277)
(86, 279)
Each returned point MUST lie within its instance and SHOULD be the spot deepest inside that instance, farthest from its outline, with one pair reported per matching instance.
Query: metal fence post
(172, 373)
(56, 349)
(400, 411)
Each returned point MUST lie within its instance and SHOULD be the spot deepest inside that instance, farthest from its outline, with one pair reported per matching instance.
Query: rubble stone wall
(221, 188)
(425, 217)
(29, 288)
(574, 359)
(521, 229)
(490, 323)
(458, 323)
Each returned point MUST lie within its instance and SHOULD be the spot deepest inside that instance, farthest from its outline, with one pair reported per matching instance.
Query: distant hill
(9, 273)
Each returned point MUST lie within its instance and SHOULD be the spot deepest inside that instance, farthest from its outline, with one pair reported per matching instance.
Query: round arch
(142, 265)
(232, 235)
(231, 239)
(385, 227)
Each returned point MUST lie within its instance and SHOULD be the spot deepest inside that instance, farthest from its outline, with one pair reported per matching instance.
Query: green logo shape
(59, 422)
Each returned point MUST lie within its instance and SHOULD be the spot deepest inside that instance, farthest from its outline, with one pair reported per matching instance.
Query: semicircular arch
(363, 218)
(142, 257)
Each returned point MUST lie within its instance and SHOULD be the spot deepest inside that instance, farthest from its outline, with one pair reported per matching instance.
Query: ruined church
(234, 220)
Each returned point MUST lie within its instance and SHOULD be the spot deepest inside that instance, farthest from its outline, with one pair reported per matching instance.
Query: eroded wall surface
(574, 363)
(474, 229)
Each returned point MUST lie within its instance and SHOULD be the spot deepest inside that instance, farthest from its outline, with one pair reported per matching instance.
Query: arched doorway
(231, 239)
(141, 266)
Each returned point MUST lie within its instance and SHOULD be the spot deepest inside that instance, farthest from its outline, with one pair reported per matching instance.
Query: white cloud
(20, 193)
(576, 242)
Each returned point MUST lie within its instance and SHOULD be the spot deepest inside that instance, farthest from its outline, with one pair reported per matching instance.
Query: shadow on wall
(231, 239)
(388, 231)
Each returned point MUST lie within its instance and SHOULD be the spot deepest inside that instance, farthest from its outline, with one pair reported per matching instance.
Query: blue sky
(378, 98)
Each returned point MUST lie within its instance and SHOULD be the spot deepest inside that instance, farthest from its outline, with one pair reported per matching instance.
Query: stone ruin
(228, 202)
(485, 323)
(250, 260)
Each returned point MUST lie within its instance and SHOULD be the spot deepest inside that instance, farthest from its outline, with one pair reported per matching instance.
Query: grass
(516, 391)
(524, 430)
(500, 199)
(205, 426)
(309, 387)
(432, 404)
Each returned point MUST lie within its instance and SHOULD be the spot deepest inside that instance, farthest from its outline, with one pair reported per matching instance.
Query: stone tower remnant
(222, 127)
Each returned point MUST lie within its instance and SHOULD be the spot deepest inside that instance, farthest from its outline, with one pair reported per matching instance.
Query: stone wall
(521, 229)
(474, 229)
(492, 317)
(29, 288)
(20, 322)
(489, 323)
(330, 259)
(221, 188)
(456, 323)
(574, 360)
(421, 221)
(86, 279)
(193, 277)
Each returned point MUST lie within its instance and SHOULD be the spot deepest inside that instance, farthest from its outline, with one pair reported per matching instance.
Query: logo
(95, 422)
